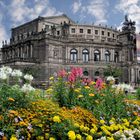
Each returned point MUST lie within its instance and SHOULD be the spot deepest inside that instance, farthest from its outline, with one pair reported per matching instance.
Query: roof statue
(128, 25)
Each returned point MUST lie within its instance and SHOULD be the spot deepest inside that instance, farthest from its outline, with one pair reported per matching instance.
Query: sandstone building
(53, 43)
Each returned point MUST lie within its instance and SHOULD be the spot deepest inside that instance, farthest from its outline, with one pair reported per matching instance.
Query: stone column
(31, 51)
(102, 54)
(112, 55)
(132, 75)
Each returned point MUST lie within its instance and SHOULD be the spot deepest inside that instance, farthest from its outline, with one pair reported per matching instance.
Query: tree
(112, 71)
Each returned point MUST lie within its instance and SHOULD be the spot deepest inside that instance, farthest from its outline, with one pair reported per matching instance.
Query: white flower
(102, 138)
(16, 73)
(1, 134)
(131, 138)
(7, 70)
(29, 127)
(16, 120)
(27, 88)
(110, 78)
(28, 77)
(3, 76)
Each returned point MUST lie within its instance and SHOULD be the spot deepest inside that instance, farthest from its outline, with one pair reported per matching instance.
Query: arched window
(73, 55)
(85, 55)
(85, 73)
(96, 55)
(97, 73)
(107, 56)
(116, 57)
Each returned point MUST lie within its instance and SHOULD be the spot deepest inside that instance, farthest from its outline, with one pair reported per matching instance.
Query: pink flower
(62, 73)
(99, 83)
(86, 81)
(78, 72)
(71, 78)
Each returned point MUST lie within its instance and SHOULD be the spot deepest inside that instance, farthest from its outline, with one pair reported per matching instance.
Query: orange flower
(4, 138)
(11, 99)
(135, 113)
(102, 94)
(91, 94)
(1, 117)
(13, 112)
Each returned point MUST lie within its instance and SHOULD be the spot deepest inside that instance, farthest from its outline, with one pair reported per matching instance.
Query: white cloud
(132, 9)
(20, 11)
(98, 9)
(76, 6)
(3, 33)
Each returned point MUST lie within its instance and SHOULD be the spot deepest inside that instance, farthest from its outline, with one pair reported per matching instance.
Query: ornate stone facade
(53, 43)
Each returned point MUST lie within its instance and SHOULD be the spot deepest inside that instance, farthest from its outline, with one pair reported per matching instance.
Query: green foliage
(64, 94)
(111, 105)
(34, 71)
(138, 93)
(20, 99)
(112, 71)
(59, 130)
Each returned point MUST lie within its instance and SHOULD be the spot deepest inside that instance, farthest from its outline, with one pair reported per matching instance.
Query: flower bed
(73, 107)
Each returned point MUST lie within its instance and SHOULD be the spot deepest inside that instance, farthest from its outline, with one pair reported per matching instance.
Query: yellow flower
(89, 137)
(51, 78)
(102, 121)
(87, 87)
(86, 129)
(80, 96)
(82, 128)
(92, 131)
(110, 138)
(100, 133)
(22, 123)
(91, 94)
(13, 137)
(49, 90)
(95, 127)
(124, 120)
(71, 135)
(105, 130)
(135, 122)
(11, 99)
(77, 90)
(76, 125)
(46, 135)
(126, 124)
(93, 83)
(78, 137)
(40, 138)
(56, 119)
(40, 125)
(51, 138)
(96, 101)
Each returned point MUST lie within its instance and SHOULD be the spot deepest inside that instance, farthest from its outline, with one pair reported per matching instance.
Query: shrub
(138, 93)
(79, 115)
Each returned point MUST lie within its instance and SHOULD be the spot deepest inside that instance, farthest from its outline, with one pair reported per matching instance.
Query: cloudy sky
(106, 12)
